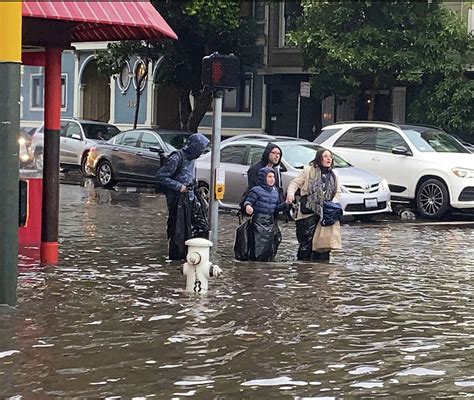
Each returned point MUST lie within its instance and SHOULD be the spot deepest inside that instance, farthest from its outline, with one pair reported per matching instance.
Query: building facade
(268, 99)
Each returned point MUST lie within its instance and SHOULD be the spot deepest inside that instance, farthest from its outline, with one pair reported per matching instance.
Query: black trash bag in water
(179, 227)
(264, 238)
(199, 219)
(305, 229)
(241, 243)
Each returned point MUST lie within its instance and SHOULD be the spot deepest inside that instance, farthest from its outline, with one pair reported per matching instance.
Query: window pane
(233, 154)
(388, 139)
(255, 155)
(73, 129)
(230, 100)
(63, 92)
(130, 139)
(358, 138)
(36, 92)
(148, 140)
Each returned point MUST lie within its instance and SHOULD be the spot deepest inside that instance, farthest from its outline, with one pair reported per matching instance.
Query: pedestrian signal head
(220, 71)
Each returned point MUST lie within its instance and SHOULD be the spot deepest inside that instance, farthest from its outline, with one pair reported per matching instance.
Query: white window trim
(281, 25)
(66, 84)
(32, 76)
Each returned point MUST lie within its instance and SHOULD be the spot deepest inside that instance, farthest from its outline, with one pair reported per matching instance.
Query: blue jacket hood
(195, 146)
(262, 176)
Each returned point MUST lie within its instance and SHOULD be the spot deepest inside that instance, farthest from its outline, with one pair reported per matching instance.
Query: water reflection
(391, 315)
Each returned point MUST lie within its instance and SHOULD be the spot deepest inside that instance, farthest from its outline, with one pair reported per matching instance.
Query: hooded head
(195, 146)
(272, 147)
(262, 176)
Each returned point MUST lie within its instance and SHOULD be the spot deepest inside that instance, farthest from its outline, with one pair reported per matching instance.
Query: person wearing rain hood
(263, 203)
(271, 158)
(177, 176)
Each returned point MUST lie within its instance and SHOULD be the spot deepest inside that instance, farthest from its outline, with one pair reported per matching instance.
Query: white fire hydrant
(198, 269)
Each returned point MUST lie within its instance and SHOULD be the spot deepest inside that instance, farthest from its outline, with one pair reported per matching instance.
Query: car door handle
(114, 148)
(375, 159)
(244, 173)
(139, 153)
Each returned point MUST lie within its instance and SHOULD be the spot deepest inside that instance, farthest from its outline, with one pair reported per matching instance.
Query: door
(72, 143)
(233, 162)
(125, 160)
(96, 98)
(150, 161)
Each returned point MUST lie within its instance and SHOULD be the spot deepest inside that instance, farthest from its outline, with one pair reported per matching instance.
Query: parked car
(24, 143)
(77, 136)
(422, 164)
(363, 193)
(131, 156)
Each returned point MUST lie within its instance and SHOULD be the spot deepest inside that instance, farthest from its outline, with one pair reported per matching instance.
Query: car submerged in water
(363, 193)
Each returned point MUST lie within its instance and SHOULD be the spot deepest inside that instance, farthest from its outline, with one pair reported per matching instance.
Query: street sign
(305, 89)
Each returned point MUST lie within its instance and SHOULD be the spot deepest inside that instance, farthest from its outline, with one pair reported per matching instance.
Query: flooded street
(391, 315)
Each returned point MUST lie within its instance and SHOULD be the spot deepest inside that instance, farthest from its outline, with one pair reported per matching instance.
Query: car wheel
(204, 191)
(432, 199)
(105, 175)
(84, 168)
(38, 161)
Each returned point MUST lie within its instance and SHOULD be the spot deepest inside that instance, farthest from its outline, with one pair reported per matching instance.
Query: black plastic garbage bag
(264, 238)
(305, 229)
(241, 243)
(199, 218)
(179, 226)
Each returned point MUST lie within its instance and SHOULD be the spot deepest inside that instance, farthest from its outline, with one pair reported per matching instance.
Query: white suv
(77, 136)
(422, 164)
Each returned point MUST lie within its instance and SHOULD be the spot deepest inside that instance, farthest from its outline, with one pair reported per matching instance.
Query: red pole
(52, 125)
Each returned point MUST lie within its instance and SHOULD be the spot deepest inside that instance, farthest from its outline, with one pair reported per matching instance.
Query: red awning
(89, 21)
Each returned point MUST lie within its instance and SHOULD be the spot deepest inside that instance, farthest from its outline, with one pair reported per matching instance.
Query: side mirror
(76, 136)
(283, 168)
(401, 150)
(155, 149)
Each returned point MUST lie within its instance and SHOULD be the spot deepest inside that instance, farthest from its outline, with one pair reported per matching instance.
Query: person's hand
(249, 209)
(290, 198)
(183, 189)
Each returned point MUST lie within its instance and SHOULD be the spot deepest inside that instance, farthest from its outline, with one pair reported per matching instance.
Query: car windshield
(300, 155)
(434, 141)
(99, 131)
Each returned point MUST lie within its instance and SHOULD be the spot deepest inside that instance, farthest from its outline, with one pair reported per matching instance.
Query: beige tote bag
(327, 237)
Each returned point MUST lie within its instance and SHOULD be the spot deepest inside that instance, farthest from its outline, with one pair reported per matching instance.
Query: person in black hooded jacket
(271, 158)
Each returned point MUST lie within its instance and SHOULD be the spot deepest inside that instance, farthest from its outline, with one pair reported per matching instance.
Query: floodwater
(391, 315)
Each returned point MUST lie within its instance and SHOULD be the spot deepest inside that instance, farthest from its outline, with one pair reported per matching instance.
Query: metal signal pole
(215, 162)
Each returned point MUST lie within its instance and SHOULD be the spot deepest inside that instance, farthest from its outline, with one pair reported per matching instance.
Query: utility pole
(10, 64)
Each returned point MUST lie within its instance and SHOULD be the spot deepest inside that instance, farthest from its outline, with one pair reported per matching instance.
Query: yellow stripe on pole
(10, 31)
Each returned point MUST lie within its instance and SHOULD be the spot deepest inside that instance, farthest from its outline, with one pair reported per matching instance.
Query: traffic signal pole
(215, 162)
(10, 64)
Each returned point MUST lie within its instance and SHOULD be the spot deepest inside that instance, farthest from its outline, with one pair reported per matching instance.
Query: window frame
(64, 91)
(234, 146)
(282, 28)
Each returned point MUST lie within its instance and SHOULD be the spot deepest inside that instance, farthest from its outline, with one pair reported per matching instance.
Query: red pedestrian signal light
(220, 71)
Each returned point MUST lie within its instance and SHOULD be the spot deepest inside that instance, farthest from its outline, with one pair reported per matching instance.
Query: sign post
(305, 88)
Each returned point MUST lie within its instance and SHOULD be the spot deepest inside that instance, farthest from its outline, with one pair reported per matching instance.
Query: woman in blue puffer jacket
(263, 203)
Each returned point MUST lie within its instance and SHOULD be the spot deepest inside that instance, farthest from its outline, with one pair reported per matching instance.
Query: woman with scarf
(317, 183)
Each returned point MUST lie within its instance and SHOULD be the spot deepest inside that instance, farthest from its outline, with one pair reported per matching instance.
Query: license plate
(370, 203)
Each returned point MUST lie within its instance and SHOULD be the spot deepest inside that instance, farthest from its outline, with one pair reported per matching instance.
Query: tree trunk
(201, 105)
(184, 109)
(370, 113)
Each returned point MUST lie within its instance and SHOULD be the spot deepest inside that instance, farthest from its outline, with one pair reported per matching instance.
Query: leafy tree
(356, 46)
(447, 102)
(203, 27)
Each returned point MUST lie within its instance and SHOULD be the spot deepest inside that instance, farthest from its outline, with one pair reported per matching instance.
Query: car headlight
(21, 141)
(384, 185)
(343, 189)
(463, 172)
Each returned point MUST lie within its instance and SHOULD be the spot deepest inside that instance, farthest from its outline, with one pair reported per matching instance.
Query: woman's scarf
(320, 189)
